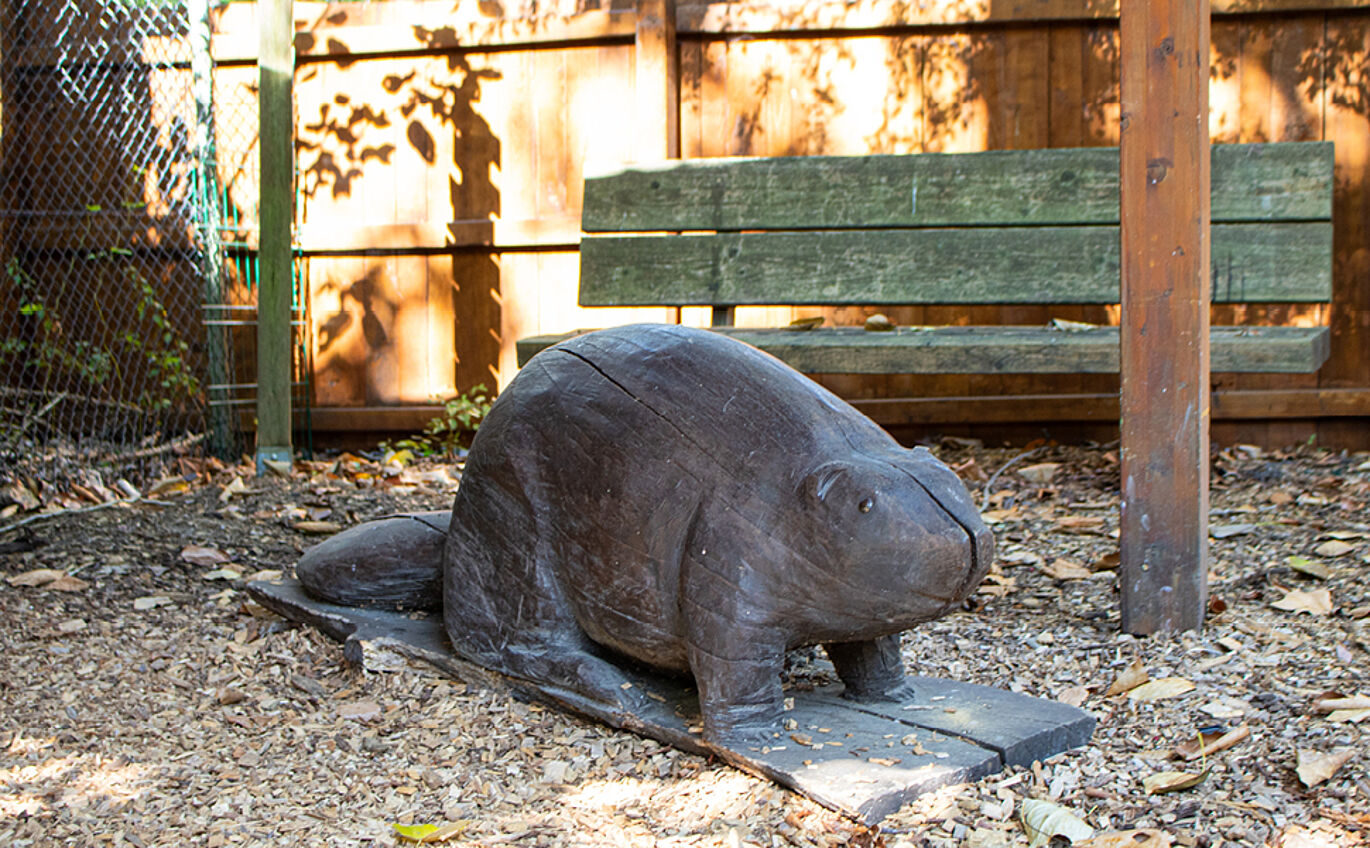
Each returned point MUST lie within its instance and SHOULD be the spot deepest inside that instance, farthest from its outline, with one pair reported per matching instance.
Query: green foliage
(47, 347)
(450, 432)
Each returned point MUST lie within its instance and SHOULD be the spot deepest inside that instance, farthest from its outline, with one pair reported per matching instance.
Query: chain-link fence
(123, 290)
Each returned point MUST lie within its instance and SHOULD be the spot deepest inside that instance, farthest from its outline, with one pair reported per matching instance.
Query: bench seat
(1001, 350)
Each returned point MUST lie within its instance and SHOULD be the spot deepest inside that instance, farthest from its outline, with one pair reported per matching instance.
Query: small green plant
(450, 432)
(49, 349)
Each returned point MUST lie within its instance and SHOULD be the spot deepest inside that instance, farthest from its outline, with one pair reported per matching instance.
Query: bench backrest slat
(1034, 226)
(1251, 263)
(1250, 182)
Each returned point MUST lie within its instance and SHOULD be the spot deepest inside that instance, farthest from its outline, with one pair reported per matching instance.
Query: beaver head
(891, 539)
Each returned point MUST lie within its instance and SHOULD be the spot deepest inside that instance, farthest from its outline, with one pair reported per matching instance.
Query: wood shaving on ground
(201, 719)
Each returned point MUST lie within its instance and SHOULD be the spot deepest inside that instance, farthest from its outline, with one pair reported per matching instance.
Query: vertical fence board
(1347, 105)
(1014, 80)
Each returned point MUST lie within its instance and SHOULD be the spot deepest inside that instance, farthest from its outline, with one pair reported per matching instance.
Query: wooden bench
(1035, 227)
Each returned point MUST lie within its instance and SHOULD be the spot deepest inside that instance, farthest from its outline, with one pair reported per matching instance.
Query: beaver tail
(393, 562)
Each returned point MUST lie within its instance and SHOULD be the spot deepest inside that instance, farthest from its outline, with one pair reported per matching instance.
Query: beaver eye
(865, 505)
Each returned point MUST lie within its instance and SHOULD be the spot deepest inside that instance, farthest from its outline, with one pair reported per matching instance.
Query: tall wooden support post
(276, 64)
(1165, 299)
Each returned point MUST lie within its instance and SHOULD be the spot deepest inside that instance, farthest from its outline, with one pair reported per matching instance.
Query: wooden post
(657, 88)
(276, 65)
(1165, 299)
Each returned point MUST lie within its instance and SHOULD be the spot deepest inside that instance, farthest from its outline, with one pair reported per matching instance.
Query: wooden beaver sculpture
(677, 498)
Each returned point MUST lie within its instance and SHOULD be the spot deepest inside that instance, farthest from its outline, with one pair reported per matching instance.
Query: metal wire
(128, 193)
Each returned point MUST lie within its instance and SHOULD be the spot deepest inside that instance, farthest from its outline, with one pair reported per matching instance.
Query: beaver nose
(946, 489)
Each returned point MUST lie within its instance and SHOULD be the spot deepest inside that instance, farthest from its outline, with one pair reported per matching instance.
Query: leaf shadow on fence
(390, 127)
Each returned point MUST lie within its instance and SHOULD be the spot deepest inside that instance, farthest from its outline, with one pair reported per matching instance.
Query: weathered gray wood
(1004, 350)
(1275, 262)
(969, 732)
(276, 71)
(1039, 726)
(1266, 182)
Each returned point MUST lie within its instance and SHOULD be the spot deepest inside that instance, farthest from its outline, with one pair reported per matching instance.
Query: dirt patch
(146, 704)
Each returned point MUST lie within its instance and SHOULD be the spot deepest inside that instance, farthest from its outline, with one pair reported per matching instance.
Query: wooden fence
(441, 148)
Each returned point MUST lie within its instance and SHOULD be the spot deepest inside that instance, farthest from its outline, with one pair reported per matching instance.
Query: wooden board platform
(872, 760)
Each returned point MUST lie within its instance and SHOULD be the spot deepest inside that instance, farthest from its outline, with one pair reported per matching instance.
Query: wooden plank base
(1003, 350)
(865, 767)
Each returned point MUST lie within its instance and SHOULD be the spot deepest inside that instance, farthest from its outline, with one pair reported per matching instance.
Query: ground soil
(147, 701)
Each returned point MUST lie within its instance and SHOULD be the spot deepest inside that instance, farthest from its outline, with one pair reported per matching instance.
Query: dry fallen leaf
(1334, 548)
(1041, 473)
(221, 574)
(360, 710)
(1166, 687)
(279, 467)
(1128, 839)
(1080, 522)
(1313, 602)
(1074, 696)
(1210, 743)
(1064, 569)
(1130, 678)
(319, 527)
(236, 487)
(1107, 562)
(1001, 516)
(1227, 531)
(35, 578)
(1171, 781)
(1043, 820)
(200, 555)
(1316, 766)
(1327, 704)
(1020, 557)
(148, 602)
(1226, 708)
(1069, 326)
(168, 486)
(997, 585)
(67, 583)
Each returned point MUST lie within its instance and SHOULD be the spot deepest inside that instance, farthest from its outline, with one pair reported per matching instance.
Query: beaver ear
(818, 482)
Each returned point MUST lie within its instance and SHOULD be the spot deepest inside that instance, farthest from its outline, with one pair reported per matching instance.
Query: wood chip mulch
(146, 701)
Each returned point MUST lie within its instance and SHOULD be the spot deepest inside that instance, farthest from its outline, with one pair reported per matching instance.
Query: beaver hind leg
(504, 608)
(390, 563)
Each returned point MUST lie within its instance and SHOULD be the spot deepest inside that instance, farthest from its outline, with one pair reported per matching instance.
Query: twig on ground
(984, 492)
(35, 417)
(106, 505)
(167, 447)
